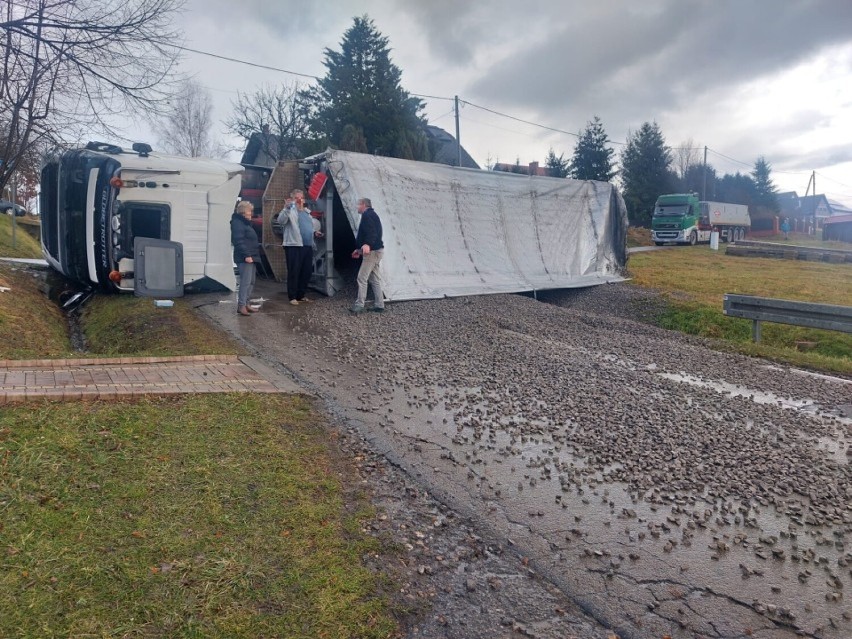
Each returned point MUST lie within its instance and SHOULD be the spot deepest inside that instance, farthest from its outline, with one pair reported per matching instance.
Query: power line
(511, 117)
(443, 115)
(833, 180)
(730, 158)
(431, 97)
(467, 118)
(251, 64)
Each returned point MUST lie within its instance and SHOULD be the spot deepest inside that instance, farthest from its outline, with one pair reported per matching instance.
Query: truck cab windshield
(670, 210)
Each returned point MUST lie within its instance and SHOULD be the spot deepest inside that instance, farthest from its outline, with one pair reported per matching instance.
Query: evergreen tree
(736, 189)
(557, 166)
(694, 181)
(362, 89)
(352, 139)
(765, 191)
(645, 172)
(592, 158)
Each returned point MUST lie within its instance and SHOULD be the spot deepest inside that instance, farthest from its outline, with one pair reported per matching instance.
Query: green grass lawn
(695, 279)
(206, 516)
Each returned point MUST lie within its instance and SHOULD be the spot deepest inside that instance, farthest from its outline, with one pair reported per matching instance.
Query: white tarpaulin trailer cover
(452, 231)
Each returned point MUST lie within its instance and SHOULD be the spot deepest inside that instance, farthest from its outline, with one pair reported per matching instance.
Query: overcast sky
(744, 77)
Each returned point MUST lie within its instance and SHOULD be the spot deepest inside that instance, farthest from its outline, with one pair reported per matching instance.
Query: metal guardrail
(789, 251)
(767, 309)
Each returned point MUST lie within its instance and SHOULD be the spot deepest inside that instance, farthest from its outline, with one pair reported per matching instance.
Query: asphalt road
(665, 488)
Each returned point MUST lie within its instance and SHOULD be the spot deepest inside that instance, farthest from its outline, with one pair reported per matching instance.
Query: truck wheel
(693, 238)
(658, 243)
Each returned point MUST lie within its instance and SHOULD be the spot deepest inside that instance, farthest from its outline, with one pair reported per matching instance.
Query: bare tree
(279, 109)
(686, 156)
(185, 128)
(79, 63)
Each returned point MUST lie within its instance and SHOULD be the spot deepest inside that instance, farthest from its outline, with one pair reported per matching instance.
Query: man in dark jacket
(370, 248)
(246, 254)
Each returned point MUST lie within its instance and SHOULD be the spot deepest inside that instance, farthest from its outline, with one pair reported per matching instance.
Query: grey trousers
(246, 285)
(370, 273)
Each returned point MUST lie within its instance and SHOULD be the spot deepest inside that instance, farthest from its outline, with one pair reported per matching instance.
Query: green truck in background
(683, 219)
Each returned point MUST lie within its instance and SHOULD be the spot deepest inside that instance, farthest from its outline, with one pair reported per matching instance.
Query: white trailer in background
(732, 221)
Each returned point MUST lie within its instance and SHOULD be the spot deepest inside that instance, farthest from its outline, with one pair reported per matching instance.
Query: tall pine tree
(766, 193)
(592, 158)
(361, 90)
(645, 172)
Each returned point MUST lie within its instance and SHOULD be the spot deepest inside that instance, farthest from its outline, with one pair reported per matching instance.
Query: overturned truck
(156, 224)
(452, 231)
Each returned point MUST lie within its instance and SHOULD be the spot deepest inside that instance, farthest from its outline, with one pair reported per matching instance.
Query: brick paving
(125, 377)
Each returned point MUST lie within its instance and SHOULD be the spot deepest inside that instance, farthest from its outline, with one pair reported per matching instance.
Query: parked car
(8, 208)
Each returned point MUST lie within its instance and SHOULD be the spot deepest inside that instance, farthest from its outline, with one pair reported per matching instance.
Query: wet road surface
(666, 488)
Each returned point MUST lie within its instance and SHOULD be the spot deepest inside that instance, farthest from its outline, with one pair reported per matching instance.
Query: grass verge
(205, 516)
(133, 326)
(24, 244)
(31, 326)
(696, 279)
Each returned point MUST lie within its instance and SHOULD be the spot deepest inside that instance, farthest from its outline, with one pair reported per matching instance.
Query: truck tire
(693, 238)
(658, 243)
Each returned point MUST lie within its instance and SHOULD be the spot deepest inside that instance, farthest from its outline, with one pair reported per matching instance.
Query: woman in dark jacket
(246, 254)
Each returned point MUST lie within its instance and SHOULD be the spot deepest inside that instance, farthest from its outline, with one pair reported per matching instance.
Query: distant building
(444, 149)
(531, 169)
(838, 227)
(809, 212)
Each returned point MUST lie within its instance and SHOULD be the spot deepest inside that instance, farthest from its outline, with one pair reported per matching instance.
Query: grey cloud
(282, 18)
(661, 58)
(815, 159)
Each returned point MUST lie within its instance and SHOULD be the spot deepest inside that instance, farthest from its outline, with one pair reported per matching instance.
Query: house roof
(817, 205)
(445, 150)
(839, 209)
(789, 203)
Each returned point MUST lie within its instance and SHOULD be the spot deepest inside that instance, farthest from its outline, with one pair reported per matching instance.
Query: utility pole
(704, 186)
(813, 175)
(458, 134)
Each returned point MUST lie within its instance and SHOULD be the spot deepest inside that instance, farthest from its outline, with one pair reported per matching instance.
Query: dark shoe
(355, 309)
(242, 310)
(378, 309)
